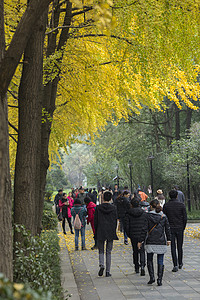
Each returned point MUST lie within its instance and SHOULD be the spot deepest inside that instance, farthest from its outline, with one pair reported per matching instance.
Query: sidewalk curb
(67, 276)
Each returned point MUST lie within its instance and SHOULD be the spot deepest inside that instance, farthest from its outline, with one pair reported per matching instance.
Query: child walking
(82, 213)
(105, 223)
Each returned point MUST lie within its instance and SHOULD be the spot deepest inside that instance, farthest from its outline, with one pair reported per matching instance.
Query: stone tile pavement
(80, 270)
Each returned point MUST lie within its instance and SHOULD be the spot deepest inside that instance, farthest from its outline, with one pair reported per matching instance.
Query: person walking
(142, 195)
(123, 205)
(116, 193)
(56, 200)
(177, 216)
(181, 196)
(66, 204)
(91, 206)
(105, 224)
(160, 197)
(134, 221)
(155, 231)
(81, 195)
(82, 213)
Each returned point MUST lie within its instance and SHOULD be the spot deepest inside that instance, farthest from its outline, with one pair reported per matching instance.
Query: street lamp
(188, 185)
(130, 164)
(117, 169)
(150, 158)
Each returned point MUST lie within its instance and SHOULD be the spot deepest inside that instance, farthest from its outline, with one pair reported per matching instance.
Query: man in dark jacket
(134, 222)
(123, 205)
(105, 223)
(177, 216)
(56, 200)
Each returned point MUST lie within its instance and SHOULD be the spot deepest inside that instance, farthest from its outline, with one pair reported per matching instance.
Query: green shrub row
(49, 219)
(15, 291)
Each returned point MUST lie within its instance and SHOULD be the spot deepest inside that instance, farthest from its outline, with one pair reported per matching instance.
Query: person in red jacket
(91, 206)
(66, 204)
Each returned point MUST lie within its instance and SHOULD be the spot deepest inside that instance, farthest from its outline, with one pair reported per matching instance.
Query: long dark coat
(105, 222)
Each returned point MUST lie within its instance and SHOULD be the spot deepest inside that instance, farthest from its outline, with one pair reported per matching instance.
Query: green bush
(193, 215)
(49, 219)
(14, 291)
(37, 261)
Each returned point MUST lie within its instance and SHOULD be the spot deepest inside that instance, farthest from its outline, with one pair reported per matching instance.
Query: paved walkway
(80, 270)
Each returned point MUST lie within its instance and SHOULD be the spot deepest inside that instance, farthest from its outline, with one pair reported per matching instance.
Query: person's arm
(61, 204)
(167, 230)
(184, 217)
(127, 224)
(95, 221)
(143, 232)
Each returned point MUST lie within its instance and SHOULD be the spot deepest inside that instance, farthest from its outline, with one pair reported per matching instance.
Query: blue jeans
(160, 258)
(82, 230)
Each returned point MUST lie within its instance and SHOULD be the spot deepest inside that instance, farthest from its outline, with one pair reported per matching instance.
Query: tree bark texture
(6, 248)
(19, 41)
(50, 91)
(29, 137)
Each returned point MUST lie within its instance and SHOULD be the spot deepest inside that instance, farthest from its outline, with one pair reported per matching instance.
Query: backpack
(77, 222)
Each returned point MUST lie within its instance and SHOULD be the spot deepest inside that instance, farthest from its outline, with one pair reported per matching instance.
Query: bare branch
(13, 95)
(13, 127)
(103, 35)
(82, 11)
(70, 26)
(12, 137)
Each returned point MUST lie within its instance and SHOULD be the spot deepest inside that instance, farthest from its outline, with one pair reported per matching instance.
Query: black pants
(177, 242)
(138, 253)
(69, 222)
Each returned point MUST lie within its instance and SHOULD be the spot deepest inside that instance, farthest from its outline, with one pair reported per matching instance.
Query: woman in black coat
(155, 231)
(123, 205)
(134, 222)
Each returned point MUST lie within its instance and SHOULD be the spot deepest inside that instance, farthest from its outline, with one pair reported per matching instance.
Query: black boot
(142, 271)
(160, 274)
(151, 272)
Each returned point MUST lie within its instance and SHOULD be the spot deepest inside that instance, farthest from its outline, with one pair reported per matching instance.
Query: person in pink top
(66, 204)
(91, 206)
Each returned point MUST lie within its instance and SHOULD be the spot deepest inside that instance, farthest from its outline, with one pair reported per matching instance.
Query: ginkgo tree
(78, 72)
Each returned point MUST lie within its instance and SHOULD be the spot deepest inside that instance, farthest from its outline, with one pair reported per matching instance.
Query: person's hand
(168, 243)
(139, 245)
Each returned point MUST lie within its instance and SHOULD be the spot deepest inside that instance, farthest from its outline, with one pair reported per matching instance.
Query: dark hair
(126, 187)
(135, 203)
(176, 187)
(60, 190)
(173, 194)
(64, 194)
(90, 191)
(77, 201)
(156, 204)
(87, 200)
(107, 196)
(125, 193)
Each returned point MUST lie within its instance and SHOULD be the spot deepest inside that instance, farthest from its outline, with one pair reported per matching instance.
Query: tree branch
(103, 35)
(88, 8)
(13, 127)
(68, 26)
(18, 43)
(12, 137)
(13, 95)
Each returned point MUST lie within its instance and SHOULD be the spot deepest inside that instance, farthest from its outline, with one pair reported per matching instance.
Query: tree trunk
(19, 41)
(29, 137)
(177, 122)
(188, 118)
(6, 249)
(50, 91)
